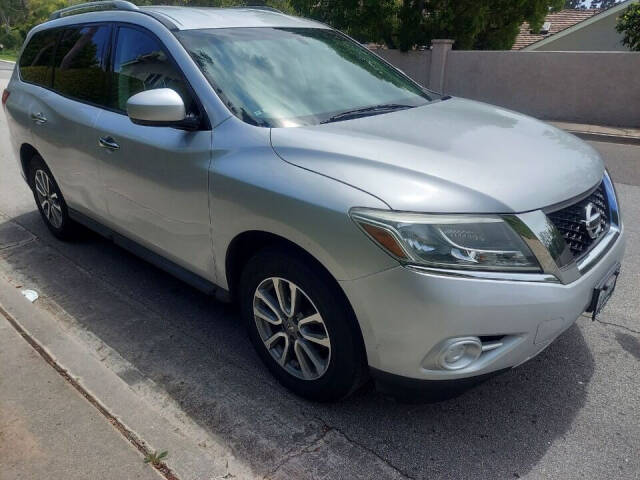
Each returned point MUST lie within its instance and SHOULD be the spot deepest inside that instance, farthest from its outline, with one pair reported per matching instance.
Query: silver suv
(365, 225)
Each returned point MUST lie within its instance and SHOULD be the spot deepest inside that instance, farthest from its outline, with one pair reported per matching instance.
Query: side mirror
(160, 107)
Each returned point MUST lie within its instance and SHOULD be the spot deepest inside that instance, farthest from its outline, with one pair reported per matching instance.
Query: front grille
(570, 221)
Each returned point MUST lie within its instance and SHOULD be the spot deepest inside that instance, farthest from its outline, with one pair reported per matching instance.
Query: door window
(141, 63)
(36, 62)
(80, 67)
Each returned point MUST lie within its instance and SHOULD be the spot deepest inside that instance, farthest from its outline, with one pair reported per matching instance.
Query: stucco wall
(597, 88)
(416, 64)
(584, 87)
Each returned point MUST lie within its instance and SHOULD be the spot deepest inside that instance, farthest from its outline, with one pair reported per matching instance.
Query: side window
(80, 66)
(36, 62)
(141, 63)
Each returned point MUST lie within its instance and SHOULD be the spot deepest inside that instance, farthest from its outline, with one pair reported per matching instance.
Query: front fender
(251, 188)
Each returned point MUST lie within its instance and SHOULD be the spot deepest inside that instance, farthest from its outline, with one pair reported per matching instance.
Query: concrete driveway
(572, 412)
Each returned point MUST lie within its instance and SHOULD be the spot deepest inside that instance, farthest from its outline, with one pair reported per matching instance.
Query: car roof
(189, 18)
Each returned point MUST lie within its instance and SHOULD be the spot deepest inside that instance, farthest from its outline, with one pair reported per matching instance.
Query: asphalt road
(571, 413)
(5, 69)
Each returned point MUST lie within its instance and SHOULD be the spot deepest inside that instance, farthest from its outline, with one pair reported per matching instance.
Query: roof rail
(93, 7)
(260, 7)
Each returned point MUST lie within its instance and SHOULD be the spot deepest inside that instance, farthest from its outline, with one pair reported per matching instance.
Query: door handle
(38, 118)
(109, 143)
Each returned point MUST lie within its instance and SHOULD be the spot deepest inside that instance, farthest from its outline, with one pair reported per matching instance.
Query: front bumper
(405, 315)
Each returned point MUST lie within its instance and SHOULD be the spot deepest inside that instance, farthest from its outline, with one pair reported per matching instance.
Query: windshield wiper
(364, 111)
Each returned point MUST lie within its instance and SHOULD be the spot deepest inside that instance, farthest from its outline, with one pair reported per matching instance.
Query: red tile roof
(559, 21)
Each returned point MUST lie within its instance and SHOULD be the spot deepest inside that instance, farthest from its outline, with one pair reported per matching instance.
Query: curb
(604, 137)
(140, 423)
(122, 429)
(599, 133)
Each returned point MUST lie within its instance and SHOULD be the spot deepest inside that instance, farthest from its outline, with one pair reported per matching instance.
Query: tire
(340, 367)
(49, 200)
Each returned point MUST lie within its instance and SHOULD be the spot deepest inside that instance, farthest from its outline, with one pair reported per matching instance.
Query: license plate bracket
(603, 291)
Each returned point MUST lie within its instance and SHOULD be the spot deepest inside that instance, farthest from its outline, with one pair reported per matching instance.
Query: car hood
(453, 156)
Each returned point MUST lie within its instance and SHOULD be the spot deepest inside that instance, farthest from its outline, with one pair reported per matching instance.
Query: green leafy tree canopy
(488, 24)
(483, 24)
(629, 26)
(405, 24)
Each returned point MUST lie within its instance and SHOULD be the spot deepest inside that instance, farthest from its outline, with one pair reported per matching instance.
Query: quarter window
(141, 63)
(36, 61)
(80, 67)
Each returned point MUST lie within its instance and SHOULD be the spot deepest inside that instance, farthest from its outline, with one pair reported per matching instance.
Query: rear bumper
(406, 315)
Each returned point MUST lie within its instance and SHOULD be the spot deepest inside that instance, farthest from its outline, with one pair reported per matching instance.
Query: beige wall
(584, 87)
(597, 88)
(414, 64)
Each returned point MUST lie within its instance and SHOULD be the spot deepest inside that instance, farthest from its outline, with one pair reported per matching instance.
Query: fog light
(459, 353)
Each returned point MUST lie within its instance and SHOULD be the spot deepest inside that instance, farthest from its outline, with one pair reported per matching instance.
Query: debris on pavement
(30, 295)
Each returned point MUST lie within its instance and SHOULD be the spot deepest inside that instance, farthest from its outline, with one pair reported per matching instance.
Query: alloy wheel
(291, 328)
(48, 198)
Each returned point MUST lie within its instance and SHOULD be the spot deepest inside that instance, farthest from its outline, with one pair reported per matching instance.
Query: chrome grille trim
(608, 239)
(570, 222)
(552, 251)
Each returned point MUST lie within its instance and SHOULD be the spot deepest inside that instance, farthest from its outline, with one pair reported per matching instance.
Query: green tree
(485, 24)
(364, 20)
(38, 11)
(11, 11)
(629, 26)
(17, 17)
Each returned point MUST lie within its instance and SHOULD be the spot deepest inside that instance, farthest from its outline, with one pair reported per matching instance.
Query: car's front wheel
(301, 326)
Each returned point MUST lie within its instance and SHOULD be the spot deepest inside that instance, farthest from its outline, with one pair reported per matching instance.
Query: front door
(156, 178)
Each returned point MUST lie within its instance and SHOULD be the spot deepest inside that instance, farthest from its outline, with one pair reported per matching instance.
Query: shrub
(11, 40)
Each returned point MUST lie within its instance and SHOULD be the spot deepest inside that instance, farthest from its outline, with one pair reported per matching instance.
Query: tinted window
(141, 63)
(80, 67)
(36, 61)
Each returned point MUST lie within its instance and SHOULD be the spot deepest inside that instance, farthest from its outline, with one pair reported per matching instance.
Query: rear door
(35, 76)
(156, 178)
(64, 118)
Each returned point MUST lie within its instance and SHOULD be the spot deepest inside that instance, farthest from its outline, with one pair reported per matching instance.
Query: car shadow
(195, 348)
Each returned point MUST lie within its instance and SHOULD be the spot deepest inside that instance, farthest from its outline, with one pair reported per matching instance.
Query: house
(575, 30)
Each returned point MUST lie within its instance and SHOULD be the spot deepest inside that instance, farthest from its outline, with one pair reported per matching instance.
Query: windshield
(282, 77)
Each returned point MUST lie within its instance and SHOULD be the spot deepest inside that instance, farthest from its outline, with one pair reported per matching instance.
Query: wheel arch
(247, 244)
(27, 152)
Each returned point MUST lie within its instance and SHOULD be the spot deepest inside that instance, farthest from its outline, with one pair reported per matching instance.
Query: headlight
(476, 242)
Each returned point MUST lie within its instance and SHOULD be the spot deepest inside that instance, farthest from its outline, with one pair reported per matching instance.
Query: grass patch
(8, 55)
(155, 458)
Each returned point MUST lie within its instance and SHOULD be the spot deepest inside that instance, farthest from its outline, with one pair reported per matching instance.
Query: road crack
(637, 332)
(297, 452)
(367, 449)
(375, 454)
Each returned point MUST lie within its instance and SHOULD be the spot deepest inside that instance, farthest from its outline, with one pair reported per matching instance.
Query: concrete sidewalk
(48, 430)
